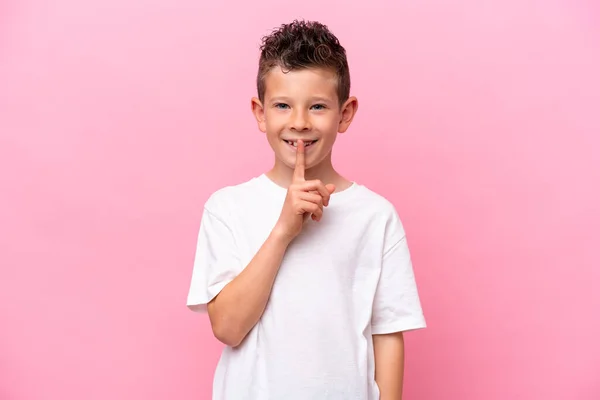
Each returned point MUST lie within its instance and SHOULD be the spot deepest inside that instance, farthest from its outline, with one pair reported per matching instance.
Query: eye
(319, 107)
(281, 105)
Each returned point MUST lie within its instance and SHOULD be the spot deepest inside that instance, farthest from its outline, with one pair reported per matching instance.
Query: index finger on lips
(300, 162)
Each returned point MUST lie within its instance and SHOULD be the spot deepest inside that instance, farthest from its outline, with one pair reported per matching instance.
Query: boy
(305, 275)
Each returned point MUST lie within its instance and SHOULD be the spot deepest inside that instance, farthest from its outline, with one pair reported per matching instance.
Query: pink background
(479, 120)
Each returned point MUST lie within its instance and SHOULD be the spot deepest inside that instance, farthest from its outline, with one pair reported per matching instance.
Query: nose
(299, 121)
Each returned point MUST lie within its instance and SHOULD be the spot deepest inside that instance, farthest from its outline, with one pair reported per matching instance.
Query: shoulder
(378, 207)
(227, 198)
(377, 203)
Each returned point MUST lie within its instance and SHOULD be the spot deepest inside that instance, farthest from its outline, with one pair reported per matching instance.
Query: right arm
(239, 306)
(241, 303)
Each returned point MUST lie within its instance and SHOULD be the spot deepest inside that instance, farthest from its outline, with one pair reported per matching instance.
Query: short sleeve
(396, 306)
(216, 262)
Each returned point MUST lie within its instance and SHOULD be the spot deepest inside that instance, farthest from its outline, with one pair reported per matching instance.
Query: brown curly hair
(300, 45)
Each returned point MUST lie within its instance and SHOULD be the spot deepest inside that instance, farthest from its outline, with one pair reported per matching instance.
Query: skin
(299, 105)
(389, 365)
(303, 104)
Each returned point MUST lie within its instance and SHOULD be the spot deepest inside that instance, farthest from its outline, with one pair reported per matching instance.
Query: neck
(282, 174)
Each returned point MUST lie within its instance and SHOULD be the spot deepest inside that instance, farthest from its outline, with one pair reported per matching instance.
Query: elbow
(227, 335)
(224, 329)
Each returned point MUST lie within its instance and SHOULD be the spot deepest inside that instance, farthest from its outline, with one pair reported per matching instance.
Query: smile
(307, 143)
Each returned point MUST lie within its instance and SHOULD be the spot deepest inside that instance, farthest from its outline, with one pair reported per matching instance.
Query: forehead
(301, 82)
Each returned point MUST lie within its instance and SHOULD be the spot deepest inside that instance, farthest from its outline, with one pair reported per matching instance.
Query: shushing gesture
(304, 198)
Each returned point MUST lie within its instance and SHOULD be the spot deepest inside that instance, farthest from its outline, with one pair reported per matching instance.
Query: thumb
(330, 187)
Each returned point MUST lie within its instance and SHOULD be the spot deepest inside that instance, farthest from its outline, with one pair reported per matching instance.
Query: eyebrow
(324, 99)
(315, 98)
(279, 99)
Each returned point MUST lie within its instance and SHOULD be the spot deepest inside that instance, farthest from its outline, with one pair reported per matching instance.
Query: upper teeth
(295, 142)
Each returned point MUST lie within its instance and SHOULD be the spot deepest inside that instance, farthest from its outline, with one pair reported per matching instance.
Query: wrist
(280, 236)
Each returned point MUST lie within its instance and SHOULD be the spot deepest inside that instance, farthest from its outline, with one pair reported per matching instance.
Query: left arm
(389, 364)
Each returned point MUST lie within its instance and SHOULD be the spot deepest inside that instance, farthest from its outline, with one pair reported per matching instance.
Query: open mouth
(307, 143)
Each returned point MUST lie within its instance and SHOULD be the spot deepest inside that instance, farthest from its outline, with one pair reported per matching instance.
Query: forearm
(389, 365)
(240, 304)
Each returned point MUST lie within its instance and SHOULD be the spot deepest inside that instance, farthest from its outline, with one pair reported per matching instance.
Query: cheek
(328, 125)
(274, 122)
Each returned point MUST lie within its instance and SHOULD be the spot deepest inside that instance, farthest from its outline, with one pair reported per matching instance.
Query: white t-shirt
(342, 280)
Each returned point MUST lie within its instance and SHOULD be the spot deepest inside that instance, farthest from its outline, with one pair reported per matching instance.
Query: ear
(259, 113)
(348, 111)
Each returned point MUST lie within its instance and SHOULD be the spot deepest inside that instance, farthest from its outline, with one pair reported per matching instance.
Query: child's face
(302, 104)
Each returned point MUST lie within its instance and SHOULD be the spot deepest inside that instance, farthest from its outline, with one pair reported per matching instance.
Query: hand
(303, 199)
